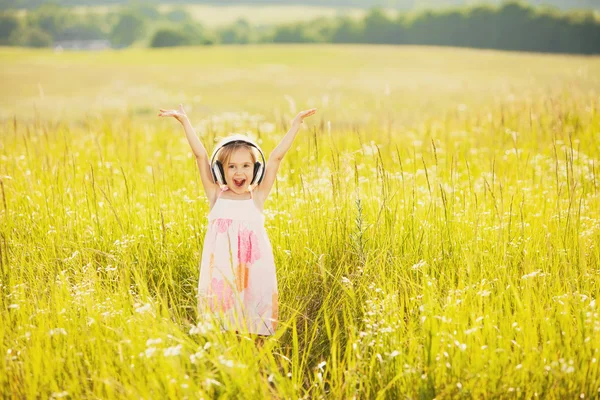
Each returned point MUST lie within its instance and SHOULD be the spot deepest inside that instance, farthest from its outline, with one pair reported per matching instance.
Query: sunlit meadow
(436, 225)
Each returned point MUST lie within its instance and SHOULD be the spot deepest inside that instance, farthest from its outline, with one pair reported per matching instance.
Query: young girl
(237, 273)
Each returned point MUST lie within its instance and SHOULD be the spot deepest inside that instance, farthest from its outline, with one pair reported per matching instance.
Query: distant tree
(31, 37)
(451, 28)
(9, 23)
(127, 30)
(319, 29)
(481, 25)
(514, 17)
(347, 30)
(98, 20)
(169, 38)
(238, 32)
(81, 31)
(196, 34)
(178, 14)
(49, 18)
(292, 33)
(146, 11)
(584, 31)
(379, 28)
(420, 28)
(547, 31)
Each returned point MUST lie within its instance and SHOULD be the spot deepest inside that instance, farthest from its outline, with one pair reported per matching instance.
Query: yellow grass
(435, 226)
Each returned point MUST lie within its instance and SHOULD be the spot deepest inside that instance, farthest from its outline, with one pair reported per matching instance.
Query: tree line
(395, 4)
(509, 26)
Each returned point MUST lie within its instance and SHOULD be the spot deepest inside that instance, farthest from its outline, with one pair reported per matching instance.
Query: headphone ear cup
(220, 166)
(256, 172)
(213, 171)
(218, 174)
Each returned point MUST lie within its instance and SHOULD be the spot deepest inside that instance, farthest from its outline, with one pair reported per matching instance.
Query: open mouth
(239, 182)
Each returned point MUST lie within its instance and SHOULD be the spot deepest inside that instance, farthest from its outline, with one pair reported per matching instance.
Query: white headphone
(216, 166)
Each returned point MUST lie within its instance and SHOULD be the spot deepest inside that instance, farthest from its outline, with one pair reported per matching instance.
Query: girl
(237, 272)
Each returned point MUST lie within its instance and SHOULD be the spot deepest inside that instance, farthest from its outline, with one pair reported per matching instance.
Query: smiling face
(239, 168)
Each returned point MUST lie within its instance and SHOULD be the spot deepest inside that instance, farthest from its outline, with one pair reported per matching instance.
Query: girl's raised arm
(276, 156)
(210, 188)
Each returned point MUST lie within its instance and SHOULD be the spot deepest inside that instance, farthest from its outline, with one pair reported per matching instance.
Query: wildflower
(419, 265)
(471, 330)
(151, 342)
(149, 351)
(461, 346)
(533, 274)
(226, 362)
(346, 281)
(201, 328)
(209, 382)
(142, 308)
(196, 356)
(173, 351)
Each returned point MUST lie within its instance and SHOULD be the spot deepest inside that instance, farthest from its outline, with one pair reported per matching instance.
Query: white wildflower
(58, 331)
(533, 274)
(209, 382)
(149, 351)
(173, 351)
(142, 308)
(201, 328)
(419, 265)
(151, 342)
(226, 362)
(196, 356)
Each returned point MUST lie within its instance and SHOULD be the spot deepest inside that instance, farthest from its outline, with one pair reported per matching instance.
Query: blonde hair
(226, 151)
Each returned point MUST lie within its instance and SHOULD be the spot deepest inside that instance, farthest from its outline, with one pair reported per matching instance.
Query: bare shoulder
(259, 198)
(212, 194)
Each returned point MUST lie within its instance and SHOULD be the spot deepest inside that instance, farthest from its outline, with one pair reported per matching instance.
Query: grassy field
(436, 226)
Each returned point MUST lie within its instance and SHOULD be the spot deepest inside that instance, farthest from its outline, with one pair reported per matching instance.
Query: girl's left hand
(303, 114)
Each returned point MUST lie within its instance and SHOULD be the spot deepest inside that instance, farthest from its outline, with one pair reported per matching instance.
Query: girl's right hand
(179, 115)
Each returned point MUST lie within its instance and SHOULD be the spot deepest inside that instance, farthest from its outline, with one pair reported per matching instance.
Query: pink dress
(237, 281)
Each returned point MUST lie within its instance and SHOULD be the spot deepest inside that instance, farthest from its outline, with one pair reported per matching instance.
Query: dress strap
(223, 189)
(250, 189)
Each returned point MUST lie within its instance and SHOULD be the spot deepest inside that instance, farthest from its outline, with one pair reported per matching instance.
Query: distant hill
(396, 4)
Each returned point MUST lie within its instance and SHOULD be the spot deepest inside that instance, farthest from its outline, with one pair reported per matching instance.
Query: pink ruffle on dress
(238, 283)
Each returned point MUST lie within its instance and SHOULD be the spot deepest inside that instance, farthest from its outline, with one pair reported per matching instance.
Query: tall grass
(456, 256)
